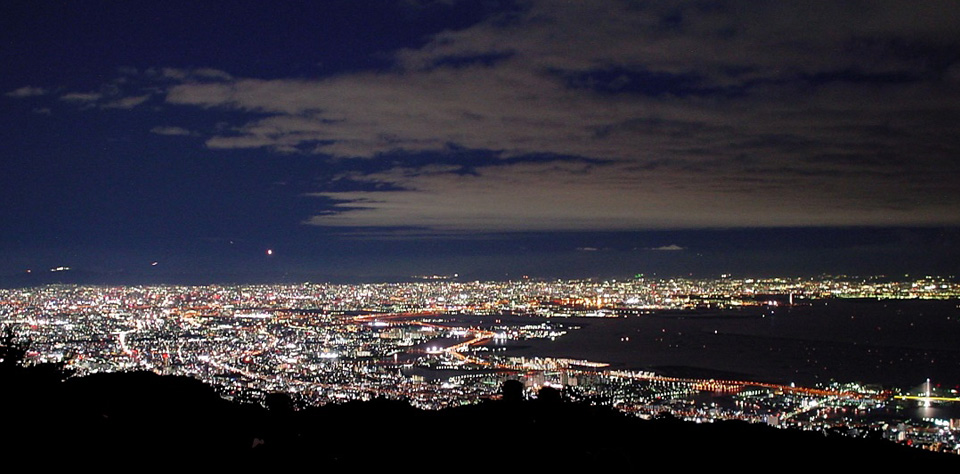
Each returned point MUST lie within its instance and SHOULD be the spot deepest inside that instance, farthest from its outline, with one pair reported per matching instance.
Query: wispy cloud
(110, 96)
(83, 97)
(27, 91)
(127, 102)
(168, 130)
(668, 248)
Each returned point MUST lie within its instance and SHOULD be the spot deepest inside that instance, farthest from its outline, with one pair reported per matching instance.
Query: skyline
(798, 354)
(491, 139)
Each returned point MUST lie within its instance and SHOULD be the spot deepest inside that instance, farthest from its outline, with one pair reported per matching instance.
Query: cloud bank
(682, 114)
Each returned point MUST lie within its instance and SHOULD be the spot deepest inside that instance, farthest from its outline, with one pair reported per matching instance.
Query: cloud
(573, 197)
(695, 114)
(171, 131)
(127, 102)
(669, 83)
(27, 91)
(111, 96)
(668, 248)
(82, 97)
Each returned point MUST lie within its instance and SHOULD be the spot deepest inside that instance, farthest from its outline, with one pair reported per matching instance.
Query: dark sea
(894, 343)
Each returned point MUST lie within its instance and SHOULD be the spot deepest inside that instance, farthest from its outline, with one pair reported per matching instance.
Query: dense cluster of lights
(436, 342)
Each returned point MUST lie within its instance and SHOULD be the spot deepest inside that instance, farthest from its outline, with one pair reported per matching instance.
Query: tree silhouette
(13, 349)
(17, 375)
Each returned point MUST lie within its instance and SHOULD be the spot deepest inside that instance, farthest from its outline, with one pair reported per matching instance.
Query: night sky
(181, 141)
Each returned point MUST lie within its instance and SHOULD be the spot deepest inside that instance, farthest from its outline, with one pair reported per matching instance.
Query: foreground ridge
(125, 416)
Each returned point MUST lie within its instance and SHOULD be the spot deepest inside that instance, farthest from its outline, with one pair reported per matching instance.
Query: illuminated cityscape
(438, 343)
(246, 223)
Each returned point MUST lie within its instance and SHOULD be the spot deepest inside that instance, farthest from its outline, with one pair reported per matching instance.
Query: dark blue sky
(491, 139)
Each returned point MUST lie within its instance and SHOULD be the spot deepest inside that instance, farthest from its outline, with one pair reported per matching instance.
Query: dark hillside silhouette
(141, 417)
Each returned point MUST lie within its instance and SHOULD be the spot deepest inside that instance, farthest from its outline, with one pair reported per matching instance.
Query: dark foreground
(127, 421)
